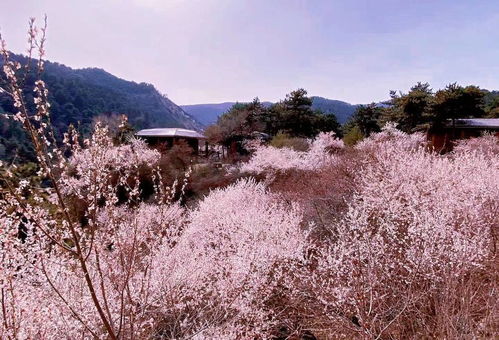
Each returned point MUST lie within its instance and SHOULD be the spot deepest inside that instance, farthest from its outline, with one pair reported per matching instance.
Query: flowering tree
(487, 144)
(88, 269)
(271, 159)
(420, 233)
(386, 239)
(229, 259)
(99, 262)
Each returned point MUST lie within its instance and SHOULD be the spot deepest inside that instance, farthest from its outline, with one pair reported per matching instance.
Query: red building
(442, 139)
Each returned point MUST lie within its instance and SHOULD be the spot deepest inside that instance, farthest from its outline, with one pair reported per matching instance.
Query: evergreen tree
(455, 102)
(366, 118)
(410, 111)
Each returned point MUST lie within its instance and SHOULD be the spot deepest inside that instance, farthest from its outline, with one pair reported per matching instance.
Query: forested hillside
(77, 96)
(342, 110)
(207, 113)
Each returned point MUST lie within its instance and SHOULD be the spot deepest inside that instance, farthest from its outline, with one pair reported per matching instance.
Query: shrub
(270, 159)
(283, 140)
(487, 144)
(419, 233)
(385, 239)
(227, 259)
(353, 136)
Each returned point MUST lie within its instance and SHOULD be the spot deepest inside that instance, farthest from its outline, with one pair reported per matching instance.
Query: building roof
(170, 132)
(477, 123)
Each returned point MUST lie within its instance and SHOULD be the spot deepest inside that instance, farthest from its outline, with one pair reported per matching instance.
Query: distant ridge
(208, 113)
(342, 110)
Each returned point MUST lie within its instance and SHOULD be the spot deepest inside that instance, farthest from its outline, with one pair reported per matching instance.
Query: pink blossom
(320, 154)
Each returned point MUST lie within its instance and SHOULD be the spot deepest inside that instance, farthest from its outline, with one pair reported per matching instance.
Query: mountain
(77, 96)
(208, 113)
(342, 110)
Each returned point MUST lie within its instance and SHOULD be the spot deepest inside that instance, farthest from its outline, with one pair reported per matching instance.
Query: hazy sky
(210, 51)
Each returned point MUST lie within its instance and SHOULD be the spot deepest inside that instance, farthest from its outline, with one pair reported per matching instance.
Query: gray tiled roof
(170, 132)
(485, 123)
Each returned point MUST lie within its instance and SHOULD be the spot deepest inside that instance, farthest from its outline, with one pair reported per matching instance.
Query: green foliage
(295, 114)
(410, 110)
(327, 122)
(455, 102)
(14, 143)
(491, 103)
(293, 117)
(493, 113)
(353, 136)
(283, 140)
(420, 108)
(240, 122)
(27, 171)
(366, 118)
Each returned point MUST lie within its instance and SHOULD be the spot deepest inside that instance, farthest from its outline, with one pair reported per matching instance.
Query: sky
(209, 51)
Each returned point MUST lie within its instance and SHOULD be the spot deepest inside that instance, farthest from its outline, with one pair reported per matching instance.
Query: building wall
(168, 142)
(443, 140)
